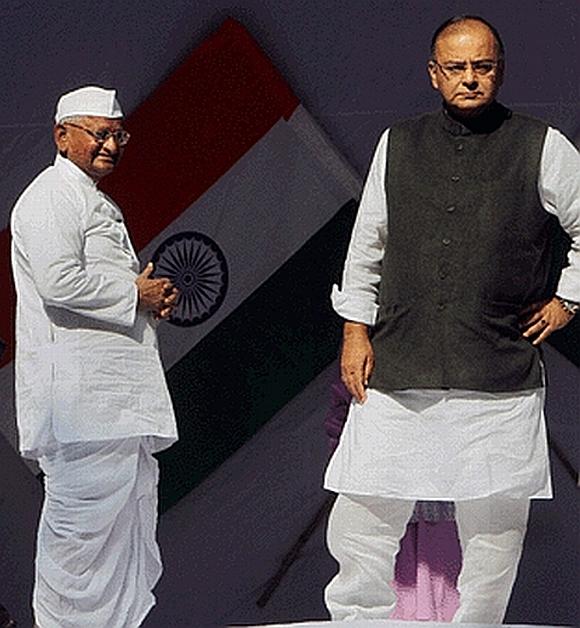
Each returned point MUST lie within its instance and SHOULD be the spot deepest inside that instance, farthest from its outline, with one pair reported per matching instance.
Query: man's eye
(102, 136)
(483, 68)
(455, 68)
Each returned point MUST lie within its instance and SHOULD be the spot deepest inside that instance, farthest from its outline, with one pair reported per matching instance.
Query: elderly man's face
(466, 71)
(75, 140)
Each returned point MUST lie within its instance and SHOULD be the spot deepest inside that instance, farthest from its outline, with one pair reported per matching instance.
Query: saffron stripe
(210, 111)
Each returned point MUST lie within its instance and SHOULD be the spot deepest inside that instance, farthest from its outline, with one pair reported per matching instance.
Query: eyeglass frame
(109, 134)
(448, 74)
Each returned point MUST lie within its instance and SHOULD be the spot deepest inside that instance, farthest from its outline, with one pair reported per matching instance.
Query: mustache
(108, 154)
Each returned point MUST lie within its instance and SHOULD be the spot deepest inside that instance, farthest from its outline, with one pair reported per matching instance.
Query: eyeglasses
(455, 70)
(121, 136)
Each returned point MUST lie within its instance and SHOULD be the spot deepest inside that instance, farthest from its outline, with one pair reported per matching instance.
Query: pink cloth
(426, 572)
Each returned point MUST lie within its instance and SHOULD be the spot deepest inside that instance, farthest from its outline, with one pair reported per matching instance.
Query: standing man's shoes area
(447, 293)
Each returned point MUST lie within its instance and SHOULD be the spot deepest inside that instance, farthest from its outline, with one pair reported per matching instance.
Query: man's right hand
(357, 359)
(155, 295)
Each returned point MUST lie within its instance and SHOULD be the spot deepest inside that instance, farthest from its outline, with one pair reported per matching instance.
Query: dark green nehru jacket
(468, 246)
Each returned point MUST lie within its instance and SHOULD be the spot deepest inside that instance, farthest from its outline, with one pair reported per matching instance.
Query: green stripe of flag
(256, 360)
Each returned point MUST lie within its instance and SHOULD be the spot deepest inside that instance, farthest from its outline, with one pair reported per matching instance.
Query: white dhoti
(97, 557)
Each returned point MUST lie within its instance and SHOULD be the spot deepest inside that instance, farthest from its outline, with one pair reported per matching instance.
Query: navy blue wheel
(198, 269)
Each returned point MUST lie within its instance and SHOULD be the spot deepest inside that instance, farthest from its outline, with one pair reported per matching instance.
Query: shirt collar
(490, 120)
(73, 172)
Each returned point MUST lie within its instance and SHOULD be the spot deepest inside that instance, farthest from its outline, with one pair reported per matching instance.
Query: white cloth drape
(97, 558)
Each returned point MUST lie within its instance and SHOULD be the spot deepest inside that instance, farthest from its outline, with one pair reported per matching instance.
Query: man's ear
(432, 71)
(60, 136)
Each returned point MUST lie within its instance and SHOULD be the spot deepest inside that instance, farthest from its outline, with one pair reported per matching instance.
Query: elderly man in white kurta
(451, 245)
(92, 403)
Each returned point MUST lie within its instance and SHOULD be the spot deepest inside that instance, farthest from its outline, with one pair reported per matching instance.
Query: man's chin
(102, 168)
(468, 108)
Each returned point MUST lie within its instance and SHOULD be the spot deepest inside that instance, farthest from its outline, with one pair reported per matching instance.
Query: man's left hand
(542, 319)
(168, 304)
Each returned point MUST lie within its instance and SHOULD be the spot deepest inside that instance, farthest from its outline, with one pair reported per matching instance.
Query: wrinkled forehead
(466, 41)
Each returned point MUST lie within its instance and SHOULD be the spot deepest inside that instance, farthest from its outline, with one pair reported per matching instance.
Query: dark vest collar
(487, 122)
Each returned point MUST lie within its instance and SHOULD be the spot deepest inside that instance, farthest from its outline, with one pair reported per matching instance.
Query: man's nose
(469, 78)
(111, 144)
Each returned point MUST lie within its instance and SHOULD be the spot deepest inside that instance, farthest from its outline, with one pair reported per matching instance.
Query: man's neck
(486, 121)
(470, 116)
(78, 172)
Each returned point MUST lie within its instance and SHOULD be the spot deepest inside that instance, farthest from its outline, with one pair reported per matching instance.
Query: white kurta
(87, 363)
(446, 445)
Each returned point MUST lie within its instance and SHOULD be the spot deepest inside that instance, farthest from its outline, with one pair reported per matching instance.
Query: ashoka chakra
(198, 269)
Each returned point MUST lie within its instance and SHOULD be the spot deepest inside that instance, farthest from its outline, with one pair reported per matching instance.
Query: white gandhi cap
(88, 101)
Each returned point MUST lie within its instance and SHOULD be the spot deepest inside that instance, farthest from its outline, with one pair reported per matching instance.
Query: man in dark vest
(447, 293)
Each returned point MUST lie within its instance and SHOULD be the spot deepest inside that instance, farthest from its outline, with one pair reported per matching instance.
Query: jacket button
(446, 241)
(441, 307)
(459, 147)
(455, 178)
(450, 209)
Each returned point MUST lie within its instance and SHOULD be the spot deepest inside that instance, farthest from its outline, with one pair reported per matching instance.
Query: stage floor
(385, 623)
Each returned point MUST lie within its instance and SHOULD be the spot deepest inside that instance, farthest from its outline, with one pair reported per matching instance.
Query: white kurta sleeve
(49, 228)
(357, 300)
(559, 189)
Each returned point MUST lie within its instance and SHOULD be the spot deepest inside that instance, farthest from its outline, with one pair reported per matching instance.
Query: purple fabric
(426, 572)
(433, 511)
(337, 412)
